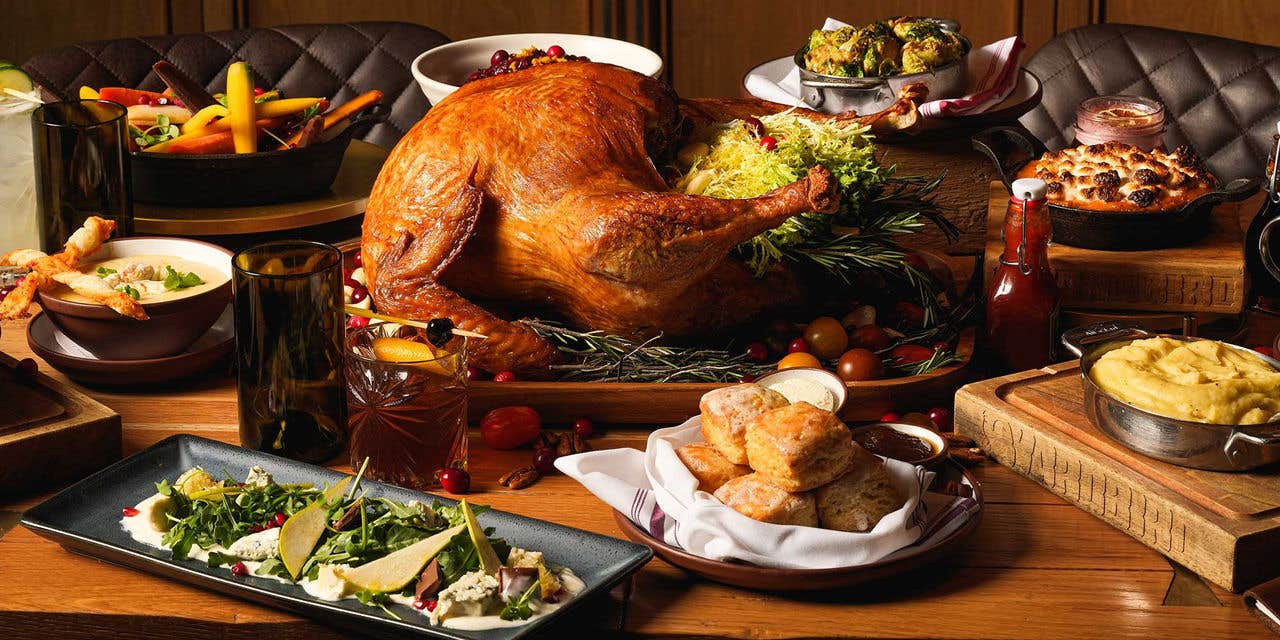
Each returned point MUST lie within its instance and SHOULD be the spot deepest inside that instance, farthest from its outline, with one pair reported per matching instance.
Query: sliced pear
(489, 562)
(421, 354)
(301, 532)
(395, 570)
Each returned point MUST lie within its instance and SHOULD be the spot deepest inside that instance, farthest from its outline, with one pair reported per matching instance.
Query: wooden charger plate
(751, 576)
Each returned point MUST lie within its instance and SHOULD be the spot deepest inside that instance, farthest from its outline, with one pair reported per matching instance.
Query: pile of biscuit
(785, 463)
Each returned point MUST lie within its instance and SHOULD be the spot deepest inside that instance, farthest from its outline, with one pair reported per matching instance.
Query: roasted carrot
(343, 111)
(210, 141)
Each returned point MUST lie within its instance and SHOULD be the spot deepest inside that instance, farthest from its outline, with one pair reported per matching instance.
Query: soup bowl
(173, 324)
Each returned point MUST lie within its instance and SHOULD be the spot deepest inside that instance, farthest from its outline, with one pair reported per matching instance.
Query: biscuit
(726, 412)
(860, 498)
(707, 465)
(799, 447)
(755, 497)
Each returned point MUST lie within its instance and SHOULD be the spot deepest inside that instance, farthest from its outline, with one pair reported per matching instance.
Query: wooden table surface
(1037, 567)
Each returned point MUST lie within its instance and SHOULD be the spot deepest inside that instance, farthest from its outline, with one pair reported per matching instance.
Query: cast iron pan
(1010, 149)
(233, 180)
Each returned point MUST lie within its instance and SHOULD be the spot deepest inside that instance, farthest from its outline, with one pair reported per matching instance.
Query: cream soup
(146, 275)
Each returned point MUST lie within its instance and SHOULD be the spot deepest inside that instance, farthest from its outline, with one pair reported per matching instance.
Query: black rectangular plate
(86, 518)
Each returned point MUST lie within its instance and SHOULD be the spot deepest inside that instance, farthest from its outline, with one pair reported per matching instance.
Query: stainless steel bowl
(838, 94)
(1214, 447)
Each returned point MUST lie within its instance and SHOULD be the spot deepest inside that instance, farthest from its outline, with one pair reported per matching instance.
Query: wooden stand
(1223, 526)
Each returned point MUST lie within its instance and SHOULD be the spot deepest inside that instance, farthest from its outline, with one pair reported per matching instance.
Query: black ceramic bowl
(1010, 149)
(234, 180)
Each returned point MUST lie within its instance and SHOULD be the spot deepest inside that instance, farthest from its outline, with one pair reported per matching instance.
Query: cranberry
(754, 126)
(504, 376)
(522, 64)
(27, 368)
(799, 345)
(769, 143)
(257, 91)
(279, 519)
(357, 322)
(584, 427)
(474, 75)
(178, 101)
(499, 58)
(544, 460)
(162, 101)
(455, 480)
(942, 418)
(239, 569)
(129, 512)
(757, 352)
(890, 417)
(348, 281)
(5, 291)
(144, 99)
(357, 260)
(358, 294)
(555, 51)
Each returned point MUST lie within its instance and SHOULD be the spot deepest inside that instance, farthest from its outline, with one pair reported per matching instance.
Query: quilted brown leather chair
(334, 60)
(1222, 96)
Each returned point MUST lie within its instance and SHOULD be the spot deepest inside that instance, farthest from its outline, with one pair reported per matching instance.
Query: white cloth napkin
(655, 490)
(992, 71)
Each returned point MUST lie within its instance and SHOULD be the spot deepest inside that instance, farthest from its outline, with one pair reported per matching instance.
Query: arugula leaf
(174, 280)
(375, 599)
(520, 608)
(275, 567)
(104, 272)
(161, 131)
(217, 559)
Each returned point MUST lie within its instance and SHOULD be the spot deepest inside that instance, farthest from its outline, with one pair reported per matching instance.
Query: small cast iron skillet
(1010, 149)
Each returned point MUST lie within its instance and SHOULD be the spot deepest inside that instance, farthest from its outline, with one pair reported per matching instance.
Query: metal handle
(1246, 450)
(874, 83)
(988, 142)
(1075, 340)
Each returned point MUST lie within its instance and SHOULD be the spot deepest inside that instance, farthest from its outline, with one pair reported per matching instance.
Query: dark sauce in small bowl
(891, 443)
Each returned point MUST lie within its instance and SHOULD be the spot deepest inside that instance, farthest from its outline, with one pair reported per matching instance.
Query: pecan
(957, 440)
(577, 444)
(519, 478)
(1146, 176)
(1143, 197)
(564, 446)
(1107, 178)
(548, 440)
(968, 456)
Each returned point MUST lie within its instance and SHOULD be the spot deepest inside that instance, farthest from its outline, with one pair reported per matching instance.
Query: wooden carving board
(1206, 277)
(56, 436)
(1223, 526)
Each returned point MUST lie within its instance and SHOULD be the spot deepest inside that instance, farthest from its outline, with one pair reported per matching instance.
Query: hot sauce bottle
(1022, 301)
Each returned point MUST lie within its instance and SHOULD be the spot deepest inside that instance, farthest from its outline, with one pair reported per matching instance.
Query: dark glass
(289, 341)
(409, 419)
(82, 167)
(1022, 300)
(1262, 242)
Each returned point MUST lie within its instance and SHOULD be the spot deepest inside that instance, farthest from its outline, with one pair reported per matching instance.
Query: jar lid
(1029, 189)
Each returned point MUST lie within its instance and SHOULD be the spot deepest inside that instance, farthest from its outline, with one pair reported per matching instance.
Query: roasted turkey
(537, 192)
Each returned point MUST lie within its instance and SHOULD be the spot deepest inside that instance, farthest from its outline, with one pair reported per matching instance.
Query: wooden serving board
(1224, 526)
(1208, 276)
(50, 434)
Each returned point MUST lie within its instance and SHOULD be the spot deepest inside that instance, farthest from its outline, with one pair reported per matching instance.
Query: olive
(860, 364)
(439, 331)
(826, 337)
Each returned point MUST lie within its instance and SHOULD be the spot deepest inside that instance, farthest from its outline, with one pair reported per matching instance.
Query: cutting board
(50, 433)
(1205, 277)
(1223, 526)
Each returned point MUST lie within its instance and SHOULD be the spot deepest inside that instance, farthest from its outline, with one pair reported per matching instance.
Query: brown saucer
(55, 348)
(769, 579)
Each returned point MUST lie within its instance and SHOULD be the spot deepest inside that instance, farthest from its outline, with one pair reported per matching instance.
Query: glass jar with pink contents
(1129, 119)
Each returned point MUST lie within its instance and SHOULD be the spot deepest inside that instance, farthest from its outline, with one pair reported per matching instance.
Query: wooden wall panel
(1252, 20)
(714, 42)
(34, 25)
(455, 18)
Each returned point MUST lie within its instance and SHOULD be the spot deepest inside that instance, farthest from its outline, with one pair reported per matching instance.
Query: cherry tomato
(544, 460)
(555, 51)
(26, 368)
(918, 419)
(890, 417)
(504, 376)
(757, 352)
(777, 346)
(909, 313)
(870, 337)
(455, 481)
(942, 418)
(826, 337)
(910, 353)
(862, 315)
(584, 427)
(798, 359)
(799, 345)
(860, 364)
(510, 427)
(916, 260)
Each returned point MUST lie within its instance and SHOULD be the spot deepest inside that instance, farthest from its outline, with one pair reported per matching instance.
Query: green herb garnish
(131, 292)
(521, 608)
(161, 131)
(174, 280)
(104, 272)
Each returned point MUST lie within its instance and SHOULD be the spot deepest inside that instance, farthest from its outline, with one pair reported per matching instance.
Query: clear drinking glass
(409, 418)
(289, 340)
(82, 167)
(19, 226)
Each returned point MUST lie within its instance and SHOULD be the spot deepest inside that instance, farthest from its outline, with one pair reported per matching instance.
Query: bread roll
(707, 465)
(858, 500)
(799, 447)
(755, 497)
(726, 412)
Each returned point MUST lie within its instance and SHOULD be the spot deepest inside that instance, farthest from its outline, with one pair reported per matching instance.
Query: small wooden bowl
(941, 449)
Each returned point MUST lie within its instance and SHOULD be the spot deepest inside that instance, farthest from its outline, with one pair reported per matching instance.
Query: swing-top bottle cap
(1029, 189)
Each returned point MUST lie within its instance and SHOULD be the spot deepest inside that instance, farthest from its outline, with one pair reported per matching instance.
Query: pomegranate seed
(419, 604)
(130, 512)
(584, 427)
(757, 352)
(799, 345)
(890, 417)
(431, 605)
(455, 481)
(555, 51)
(358, 293)
(144, 100)
(769, 143)
(256, 528)
(358, 260)
(257, 91)
(357, 322)
(544, 460)
(504, 376)
(475, 373)
(162, 101)
(279, 519)
(27, 368)
(754, 126)
(239, 569)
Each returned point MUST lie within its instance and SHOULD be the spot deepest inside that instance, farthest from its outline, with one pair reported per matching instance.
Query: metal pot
(1214, 447)
(838, 94)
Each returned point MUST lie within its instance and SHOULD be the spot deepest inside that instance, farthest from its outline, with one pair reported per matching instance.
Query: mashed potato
(1199, 381)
